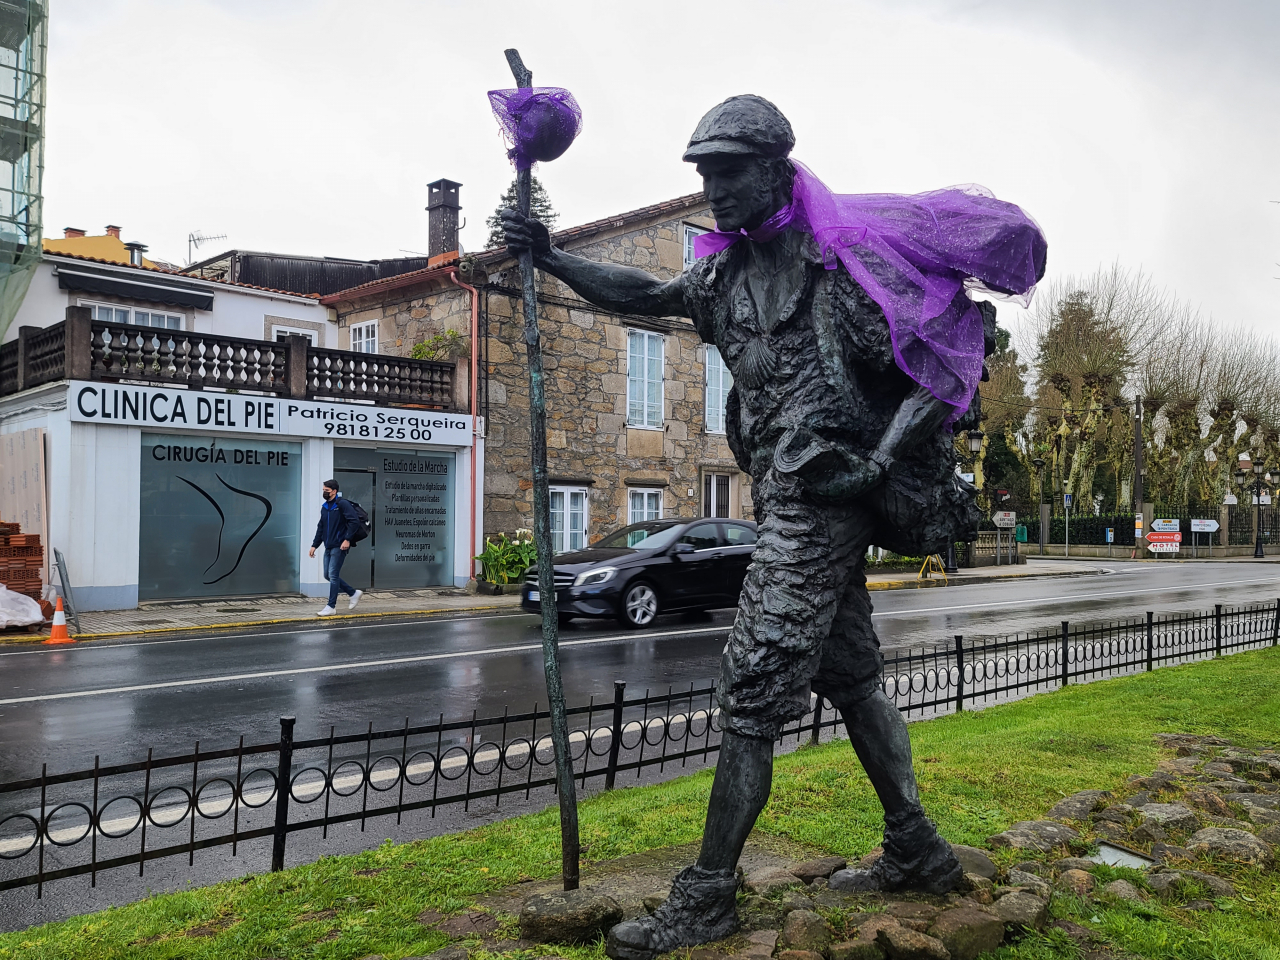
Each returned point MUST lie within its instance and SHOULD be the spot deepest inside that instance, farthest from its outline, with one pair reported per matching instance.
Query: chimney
(442, 217)
(113, 231)
(70, 233)
(135, 252)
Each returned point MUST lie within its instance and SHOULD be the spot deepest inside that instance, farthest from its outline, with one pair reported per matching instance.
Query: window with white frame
(643, 504)
(280, 332)
(153, 318)
(689, 233)
(364, 337)
(115, 313)
(644, 379)
(719, 380)
(568, 519)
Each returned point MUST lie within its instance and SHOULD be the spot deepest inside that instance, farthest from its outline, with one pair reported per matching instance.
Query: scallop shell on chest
(756, 364)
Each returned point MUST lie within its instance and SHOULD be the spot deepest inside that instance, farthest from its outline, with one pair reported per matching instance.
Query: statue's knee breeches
(804, 618)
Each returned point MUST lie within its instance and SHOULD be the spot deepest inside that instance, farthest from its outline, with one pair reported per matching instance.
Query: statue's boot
(915, 856)
(701, 907)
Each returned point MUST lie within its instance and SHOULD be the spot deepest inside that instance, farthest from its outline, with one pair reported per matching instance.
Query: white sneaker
(328, 611)
(355, 598)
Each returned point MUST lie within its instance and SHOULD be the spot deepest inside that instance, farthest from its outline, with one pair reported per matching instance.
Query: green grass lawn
(978, 773)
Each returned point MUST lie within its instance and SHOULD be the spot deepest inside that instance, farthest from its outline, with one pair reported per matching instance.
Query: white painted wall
(317, 467)
(465, 514)
(94, 476)
(44, 305)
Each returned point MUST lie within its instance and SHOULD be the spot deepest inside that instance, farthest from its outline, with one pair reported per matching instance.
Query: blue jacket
(337, 521)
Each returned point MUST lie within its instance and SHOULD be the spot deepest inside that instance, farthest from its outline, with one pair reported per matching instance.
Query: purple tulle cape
(913, 254)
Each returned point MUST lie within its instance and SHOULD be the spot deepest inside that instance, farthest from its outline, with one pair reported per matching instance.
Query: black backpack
(363, 531)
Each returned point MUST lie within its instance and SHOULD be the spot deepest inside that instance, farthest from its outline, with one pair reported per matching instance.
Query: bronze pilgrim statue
(855, 351)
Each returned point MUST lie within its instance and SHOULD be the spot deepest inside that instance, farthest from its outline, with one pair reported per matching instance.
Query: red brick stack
(21, 560)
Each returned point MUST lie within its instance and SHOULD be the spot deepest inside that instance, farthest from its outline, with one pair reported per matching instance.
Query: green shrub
(443, 347)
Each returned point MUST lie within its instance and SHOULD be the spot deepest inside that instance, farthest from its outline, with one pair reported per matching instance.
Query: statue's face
(743, 191)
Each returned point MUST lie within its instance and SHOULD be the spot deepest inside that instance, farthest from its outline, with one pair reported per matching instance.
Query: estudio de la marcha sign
(204, 410)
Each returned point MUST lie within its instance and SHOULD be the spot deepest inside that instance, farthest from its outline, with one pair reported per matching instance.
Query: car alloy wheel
(639, 605)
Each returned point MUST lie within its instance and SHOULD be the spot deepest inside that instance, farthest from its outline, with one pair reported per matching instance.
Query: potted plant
(504, 561)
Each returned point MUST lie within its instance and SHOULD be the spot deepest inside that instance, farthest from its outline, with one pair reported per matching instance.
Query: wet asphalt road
(116, 698)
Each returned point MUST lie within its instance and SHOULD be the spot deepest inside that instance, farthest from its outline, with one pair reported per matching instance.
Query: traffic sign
(1111, 534)
(1166, 526)
(1160, 547)
(1004, 519)
(1066, 500)
(1163, 536)
(1204, 526)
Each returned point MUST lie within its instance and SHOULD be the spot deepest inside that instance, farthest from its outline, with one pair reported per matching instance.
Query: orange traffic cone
(59, 633)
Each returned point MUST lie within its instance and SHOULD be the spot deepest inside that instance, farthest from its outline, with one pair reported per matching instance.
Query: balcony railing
(84, 349)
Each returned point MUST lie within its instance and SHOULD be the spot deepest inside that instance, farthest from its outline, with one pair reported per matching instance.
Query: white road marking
(349, 665)
(591, 641)
(1075, 598)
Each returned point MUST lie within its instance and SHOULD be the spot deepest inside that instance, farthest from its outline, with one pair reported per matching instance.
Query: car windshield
(650, 535)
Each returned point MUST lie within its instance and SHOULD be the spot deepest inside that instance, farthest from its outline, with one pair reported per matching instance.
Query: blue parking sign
(1111, 534)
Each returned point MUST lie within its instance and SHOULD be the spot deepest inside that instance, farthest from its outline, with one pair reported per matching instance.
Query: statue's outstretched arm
(608, 285)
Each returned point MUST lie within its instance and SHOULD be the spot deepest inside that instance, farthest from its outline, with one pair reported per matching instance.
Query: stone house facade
(635, 421)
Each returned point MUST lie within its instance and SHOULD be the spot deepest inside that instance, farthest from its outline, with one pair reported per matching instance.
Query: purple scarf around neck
(912, 255)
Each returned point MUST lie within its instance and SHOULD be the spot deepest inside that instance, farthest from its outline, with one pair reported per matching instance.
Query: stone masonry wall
(585, 359)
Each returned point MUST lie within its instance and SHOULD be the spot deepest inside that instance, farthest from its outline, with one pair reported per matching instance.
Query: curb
(40, 637)
(971, 581)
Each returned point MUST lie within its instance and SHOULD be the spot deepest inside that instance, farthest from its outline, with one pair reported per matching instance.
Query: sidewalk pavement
(170, 617)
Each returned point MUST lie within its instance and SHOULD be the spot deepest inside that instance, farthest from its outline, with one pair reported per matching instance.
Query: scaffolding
(23, 41)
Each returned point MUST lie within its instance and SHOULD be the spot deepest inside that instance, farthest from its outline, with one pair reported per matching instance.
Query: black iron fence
(80, 823)
(1242, 525)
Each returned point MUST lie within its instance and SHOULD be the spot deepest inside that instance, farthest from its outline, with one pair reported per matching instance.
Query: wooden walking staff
(542, 500)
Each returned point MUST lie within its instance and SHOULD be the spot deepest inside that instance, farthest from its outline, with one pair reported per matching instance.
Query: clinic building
(181, 458)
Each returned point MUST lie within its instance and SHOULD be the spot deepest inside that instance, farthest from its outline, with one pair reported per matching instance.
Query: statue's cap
(745, 126)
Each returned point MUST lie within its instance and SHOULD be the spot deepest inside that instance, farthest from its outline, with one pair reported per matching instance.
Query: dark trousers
(333, 559)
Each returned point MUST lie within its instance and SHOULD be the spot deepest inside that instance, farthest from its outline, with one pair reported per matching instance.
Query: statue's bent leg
(915, 856)
(784, 613)
(702, 905)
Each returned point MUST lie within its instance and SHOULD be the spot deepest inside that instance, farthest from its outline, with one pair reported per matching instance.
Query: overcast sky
(1138, 131)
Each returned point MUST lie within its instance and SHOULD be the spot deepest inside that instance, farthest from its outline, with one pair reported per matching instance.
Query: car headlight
(597, 576)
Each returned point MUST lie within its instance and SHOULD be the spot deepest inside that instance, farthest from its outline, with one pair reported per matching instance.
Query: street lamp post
(1242, 480)
(975, 447)
(1038, 462)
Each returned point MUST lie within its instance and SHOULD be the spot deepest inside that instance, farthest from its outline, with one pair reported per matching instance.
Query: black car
(648, 568)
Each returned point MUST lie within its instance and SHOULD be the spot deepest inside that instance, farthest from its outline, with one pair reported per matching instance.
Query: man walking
(338, 523)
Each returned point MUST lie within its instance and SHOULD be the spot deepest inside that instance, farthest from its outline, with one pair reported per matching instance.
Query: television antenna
(195, 238)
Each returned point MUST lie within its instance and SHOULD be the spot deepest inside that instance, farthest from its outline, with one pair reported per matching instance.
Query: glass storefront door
(219, 517)
(357, 485)
(410, 507)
